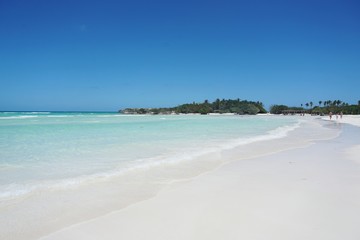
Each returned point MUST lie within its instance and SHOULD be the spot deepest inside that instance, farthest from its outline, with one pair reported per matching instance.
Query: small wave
(60, 116)
(133, 115)
(14, 190)
(31, 113)
(17, 117)
(277, 133)
(106, 116)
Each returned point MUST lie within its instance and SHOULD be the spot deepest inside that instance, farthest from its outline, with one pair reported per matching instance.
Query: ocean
(45, 151)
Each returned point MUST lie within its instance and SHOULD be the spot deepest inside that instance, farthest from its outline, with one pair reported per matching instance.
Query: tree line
(242, 107)
(235, 106)
(322, 108)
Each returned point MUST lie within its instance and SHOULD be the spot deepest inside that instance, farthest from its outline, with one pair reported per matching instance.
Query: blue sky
(106, 55)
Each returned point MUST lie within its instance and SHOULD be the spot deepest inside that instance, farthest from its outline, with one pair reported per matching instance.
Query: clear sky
(106, 55)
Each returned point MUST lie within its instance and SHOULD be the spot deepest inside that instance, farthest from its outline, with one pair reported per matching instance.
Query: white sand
(309, 191)
(349, 119)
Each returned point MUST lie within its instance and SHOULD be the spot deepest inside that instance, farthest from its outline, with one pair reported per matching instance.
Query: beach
(180, 120)
(306, 187)
(302, 185)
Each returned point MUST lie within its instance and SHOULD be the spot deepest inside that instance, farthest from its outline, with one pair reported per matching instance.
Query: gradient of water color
(46, 150)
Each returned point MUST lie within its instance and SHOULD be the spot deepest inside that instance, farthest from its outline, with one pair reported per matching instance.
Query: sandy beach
(304, 186)
(180, 120)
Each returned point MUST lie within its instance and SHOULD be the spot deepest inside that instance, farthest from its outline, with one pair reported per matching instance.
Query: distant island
(223, 106)
(244, 107)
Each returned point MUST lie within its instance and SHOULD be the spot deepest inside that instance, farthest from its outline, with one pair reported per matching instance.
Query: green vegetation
(324, 107)
(242, 107)
(279, 109)
(218, 106)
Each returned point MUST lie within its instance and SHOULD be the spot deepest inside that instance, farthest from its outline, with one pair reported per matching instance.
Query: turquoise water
(45, 150)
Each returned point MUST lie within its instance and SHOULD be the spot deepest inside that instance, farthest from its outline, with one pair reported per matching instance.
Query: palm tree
(311, 104)
(217, 104)
(307, 104)
(320, 102)
(260, 104)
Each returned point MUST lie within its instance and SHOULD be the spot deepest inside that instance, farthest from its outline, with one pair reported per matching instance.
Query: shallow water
(45, 150)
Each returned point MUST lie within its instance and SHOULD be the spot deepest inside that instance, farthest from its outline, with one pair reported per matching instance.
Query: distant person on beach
(330, 115)
(341, 114)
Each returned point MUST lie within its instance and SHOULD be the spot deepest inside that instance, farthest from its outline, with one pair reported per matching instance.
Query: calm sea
(47, 150)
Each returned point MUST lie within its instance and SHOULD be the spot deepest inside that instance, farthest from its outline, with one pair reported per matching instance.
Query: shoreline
(111, 202)
(281, 195)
